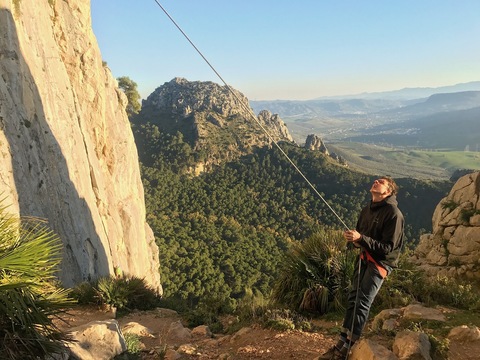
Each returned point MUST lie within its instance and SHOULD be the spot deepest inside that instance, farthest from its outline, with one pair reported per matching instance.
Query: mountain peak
(214, 119)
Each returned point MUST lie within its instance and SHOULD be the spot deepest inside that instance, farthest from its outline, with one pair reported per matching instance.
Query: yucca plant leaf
(29, 256)
(35, 254)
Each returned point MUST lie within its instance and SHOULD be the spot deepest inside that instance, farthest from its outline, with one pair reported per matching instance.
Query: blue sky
(296, 49)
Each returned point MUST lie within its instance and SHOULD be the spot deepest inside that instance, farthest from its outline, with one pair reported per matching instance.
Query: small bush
(251, 306)
(315, 274)
(123, 293)
(141, 297)
(440, 347)
(84, 293)
(284, 319)
(450, 204)
(466, 214)
(114, 292)
(208, 312)
(280, 324)
(133, 343)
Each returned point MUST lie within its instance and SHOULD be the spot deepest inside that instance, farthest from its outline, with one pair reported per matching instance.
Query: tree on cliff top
(129, 87)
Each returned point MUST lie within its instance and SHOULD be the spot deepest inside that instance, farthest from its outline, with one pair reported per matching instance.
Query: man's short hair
(392, 185)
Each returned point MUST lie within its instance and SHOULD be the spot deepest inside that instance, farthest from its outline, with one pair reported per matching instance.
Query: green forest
(225, 232)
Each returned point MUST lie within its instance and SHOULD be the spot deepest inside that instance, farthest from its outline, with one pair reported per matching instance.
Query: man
(379, 235)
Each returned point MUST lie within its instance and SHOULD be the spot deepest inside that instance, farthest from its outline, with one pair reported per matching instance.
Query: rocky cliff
(213, 119)
(453, 249)
(67, 150)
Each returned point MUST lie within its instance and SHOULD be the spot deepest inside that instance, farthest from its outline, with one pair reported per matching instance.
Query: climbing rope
(252, 115)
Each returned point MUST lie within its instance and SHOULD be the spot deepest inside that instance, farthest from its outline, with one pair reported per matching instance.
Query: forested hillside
(226, 230)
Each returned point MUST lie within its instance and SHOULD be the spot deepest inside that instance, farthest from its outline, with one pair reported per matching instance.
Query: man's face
(380, 186)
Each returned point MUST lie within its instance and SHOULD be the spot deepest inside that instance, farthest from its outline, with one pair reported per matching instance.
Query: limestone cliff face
(453, 249)
(67, 150)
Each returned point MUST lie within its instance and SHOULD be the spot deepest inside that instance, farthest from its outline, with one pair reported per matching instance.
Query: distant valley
(398, 129)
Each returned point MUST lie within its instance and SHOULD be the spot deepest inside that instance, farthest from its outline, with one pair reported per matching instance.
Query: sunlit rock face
(67, 150)
(453, 249)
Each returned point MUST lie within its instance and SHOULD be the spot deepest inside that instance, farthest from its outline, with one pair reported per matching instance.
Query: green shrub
(133, 343)
(315, 275)
(456, 293)
(84, 293)
(251, 306)
(466, 214)
(450, 204)
(113, 291)
(121, 292)
(280, 324)
(440, 347)
(209, 311)
(285, 319)
(126, 293)
(142, 297)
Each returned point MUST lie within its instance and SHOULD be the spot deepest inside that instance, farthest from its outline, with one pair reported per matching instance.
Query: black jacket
(381, 226)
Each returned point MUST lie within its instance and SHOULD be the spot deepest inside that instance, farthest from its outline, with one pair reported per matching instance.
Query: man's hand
(352, 235)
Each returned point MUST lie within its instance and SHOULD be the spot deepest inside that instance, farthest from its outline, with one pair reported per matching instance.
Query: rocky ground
(165, 336)
(252, 342)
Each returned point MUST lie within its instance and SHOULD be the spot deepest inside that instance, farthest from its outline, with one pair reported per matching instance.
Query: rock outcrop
(453, 249)
(214, 119)
(275, 125)
(315, 143)
(67, 150)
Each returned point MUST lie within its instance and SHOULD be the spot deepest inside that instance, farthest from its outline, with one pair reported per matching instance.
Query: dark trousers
(368, 282)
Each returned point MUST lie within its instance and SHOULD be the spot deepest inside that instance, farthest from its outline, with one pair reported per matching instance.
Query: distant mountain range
(395, 118)
(369, 102)
(411, 93)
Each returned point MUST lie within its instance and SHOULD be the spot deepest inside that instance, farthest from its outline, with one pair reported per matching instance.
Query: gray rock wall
(66, 147)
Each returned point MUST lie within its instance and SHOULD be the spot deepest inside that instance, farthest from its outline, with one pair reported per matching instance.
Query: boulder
(412, 345)
(97, 340)
(369, 350)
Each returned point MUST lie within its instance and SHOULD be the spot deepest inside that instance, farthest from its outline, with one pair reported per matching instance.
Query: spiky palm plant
(29, 298)
(315, 273)
(126, 292)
